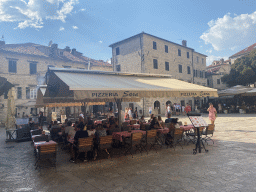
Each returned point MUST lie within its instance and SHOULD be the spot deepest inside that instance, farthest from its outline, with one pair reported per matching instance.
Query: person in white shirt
(110, 114)
(130, 113)
(183, 110)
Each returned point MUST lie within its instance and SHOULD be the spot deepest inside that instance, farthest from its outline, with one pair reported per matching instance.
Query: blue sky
(215, 28)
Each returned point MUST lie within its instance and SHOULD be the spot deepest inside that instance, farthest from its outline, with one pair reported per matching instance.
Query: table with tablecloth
(120, 135)
(134, 126)
(187, 127)
(96, 122)
(43, 143)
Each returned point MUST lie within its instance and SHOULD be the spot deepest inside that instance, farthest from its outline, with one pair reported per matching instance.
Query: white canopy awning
(88, 86)
(236, 90)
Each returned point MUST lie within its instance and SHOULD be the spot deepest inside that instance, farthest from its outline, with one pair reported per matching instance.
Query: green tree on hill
(243, 71)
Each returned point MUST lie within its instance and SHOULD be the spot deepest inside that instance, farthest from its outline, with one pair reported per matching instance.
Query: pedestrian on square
(212, 113)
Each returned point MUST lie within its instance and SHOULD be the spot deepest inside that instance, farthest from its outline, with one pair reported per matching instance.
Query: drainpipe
(192, 66)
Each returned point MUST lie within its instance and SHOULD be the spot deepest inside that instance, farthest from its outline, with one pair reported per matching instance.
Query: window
(33, 94)
(167, 66)
(166, 48)
(61, 53)
(117, 51)
(194, 72)
(218, 81)
(155, 64)
(19, 93)
(27, 92)
(179, 52)
(180, 68)
(197, 59)
(187, 54)
(118, 68)
(33, 69)
(188, 69)
(154, 45)
(202, 60)
(208, 82)
(12, 66)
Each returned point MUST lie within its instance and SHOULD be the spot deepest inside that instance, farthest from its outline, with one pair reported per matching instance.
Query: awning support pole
(118, 102)
(84, 112)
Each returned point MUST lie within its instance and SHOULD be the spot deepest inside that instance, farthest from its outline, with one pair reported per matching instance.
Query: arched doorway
(157, 106)
(168, 103)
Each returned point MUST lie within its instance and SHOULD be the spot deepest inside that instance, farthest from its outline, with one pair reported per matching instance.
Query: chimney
(73, 52)
(2, 43)
(222, 61)
(67, 48)
(184, 43)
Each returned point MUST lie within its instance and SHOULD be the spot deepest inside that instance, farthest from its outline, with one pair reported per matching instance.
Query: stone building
(145, 53)
(216, 71)
(242, 53)
(25, 65)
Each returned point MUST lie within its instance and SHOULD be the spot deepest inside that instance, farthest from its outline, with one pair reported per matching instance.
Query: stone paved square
(228, 166)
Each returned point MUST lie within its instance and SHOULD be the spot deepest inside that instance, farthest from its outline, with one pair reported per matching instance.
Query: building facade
(25, 65)
(145, 53)
(216, 71)
(242, 53)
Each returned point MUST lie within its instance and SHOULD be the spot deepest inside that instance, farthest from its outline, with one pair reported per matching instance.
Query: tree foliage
(243, 71)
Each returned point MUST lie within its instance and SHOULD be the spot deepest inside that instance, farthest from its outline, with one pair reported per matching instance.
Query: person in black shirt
(154, 124)
(80, 133)
(169, 119)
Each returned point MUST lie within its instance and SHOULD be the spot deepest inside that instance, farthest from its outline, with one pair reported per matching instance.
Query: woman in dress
(212, 113)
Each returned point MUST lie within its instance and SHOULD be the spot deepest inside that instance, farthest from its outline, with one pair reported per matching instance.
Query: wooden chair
(84, 145)
(151, 139)
(41, 138)
(209, 131)
(48, 152)
(134, 141)
(170, 135)
(177, 137)
(106, 143)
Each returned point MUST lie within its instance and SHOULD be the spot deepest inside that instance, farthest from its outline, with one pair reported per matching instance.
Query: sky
(217, 28)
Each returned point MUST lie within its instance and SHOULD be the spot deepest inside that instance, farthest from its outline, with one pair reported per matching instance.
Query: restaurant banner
(137, 94)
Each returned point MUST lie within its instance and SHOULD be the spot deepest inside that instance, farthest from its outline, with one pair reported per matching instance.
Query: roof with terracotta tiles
(244, 51)
(41, 50)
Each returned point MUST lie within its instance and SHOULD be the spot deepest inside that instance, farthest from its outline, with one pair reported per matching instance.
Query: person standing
(188, 108)
(219, 108)
(212, 113)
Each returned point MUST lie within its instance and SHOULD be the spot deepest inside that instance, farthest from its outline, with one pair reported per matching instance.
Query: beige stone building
(216, 71)
(25, 65)
(145, 53)
(242, 53)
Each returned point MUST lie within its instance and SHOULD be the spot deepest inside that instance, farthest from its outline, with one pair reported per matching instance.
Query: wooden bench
(48, 152)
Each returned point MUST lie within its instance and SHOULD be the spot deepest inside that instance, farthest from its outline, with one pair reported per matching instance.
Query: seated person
(80, 133)
(155, 124)
(100, 132)
(90, 123)
(151, 118)
(160, 121)
(169, 119)
(68, 127)
(142, 120)
(112, 121)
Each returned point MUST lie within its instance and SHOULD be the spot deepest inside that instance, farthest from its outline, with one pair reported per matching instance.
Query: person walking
(212, 113)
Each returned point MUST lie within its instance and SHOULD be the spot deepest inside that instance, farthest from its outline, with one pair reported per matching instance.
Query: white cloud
(212, 58)
(32, 13)
(100, 41)
(75, 27)
(231, 32)
(209, 51)
(61, 29)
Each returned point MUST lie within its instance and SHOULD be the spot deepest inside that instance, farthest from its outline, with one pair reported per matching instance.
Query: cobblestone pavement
(228, 166)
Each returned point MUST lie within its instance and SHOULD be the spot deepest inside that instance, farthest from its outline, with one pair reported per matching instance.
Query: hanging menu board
(198, 121)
